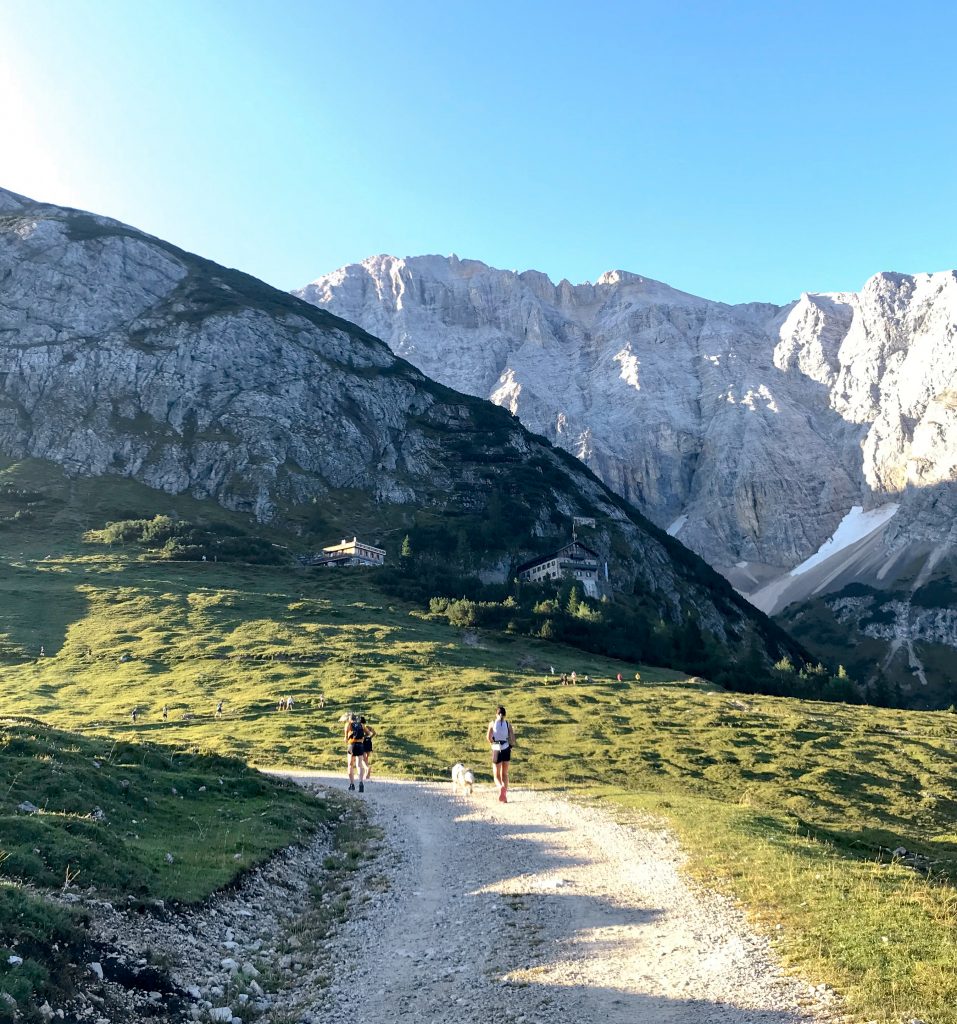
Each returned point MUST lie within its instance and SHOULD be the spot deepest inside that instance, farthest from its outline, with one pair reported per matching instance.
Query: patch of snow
(629, 364)
(855, 526)
(759, 394)
(507, 393)
(741, 565)
(676, 526)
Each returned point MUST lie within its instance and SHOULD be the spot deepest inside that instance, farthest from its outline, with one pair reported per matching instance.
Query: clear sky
(739, 150)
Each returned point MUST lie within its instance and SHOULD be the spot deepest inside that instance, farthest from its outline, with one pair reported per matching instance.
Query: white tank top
(500, 734)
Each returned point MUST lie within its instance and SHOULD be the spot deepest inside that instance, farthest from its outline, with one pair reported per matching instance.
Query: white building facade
(574, 561)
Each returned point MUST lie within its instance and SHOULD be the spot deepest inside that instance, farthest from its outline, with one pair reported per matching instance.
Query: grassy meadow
(792, 805)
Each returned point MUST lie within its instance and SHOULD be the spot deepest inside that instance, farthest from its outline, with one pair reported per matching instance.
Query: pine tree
(406, 551)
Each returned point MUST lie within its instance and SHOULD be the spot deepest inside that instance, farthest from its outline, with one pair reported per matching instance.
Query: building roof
(561, 552)
(345, 545)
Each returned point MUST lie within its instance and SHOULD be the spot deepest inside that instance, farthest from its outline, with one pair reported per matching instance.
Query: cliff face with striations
(123, 355)
(753, 432)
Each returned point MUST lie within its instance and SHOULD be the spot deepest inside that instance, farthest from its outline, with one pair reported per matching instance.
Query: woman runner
(502, 739)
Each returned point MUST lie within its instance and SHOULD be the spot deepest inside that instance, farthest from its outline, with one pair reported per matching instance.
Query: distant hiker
(43, 652)
(133, 715)
(322, 700)
(551, 670)
(574, 678)
(282, 703)
(219, 710)
(564, 679)
(619, 677)
(165, 713)
(289, 703)
(369, 732)
(502, 739)
(355, 747)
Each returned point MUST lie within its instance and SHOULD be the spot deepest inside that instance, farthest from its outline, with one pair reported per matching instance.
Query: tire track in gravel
(548, 911)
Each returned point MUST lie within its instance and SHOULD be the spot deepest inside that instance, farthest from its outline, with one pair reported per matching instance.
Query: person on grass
(502, 739)
(355, 746)
(369, 732)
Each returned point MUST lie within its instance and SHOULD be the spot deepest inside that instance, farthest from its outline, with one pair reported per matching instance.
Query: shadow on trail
(498, 922)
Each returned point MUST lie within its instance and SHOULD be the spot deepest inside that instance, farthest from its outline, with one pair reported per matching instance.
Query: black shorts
(498, 756)
(367, 746)
(356, 749)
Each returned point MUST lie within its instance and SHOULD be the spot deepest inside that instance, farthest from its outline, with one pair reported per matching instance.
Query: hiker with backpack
(355, 745)
(502, 739)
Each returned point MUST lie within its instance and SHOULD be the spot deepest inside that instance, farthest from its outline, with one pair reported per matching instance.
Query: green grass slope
(793, 805)
(128, 820)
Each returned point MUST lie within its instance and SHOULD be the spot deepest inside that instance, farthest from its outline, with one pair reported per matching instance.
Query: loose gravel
(465, 910)
(546, 910)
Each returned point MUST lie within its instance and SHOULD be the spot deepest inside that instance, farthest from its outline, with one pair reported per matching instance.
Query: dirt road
(542, 910)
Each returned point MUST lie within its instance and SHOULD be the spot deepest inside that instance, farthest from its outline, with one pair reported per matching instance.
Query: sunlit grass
(790, 804)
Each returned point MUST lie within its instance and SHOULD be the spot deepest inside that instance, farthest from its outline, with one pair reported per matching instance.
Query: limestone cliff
(121, 354)
(751, 432)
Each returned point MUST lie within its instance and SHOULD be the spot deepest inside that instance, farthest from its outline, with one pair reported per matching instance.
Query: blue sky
(741, 151)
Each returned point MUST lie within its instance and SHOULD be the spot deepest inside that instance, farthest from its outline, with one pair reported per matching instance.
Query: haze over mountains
(800, 449)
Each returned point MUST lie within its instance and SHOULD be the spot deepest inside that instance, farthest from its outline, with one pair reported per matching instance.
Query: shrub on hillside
(179, 540)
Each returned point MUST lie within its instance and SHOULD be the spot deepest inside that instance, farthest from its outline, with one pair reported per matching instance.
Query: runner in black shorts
(355, 745)
(367, 747)
(502, 739)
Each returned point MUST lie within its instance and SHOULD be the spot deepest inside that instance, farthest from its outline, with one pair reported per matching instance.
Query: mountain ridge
(750, 431)
(126, 356)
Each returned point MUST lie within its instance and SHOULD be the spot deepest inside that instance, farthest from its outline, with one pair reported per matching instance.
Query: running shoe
(352, 785)
(362, 788)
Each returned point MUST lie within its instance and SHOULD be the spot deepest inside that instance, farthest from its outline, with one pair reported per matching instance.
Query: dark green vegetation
(115, 521)
(131, 820)
(868, 629)
(181, 541)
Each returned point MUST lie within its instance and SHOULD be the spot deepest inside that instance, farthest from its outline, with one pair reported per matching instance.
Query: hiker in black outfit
(355, 745)
(367, 746)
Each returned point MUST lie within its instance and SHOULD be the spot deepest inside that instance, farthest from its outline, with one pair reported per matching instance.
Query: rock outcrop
(757, 426)
(121, 354)
(749, 431)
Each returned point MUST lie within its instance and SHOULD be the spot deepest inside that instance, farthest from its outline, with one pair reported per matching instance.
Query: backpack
(356, 731)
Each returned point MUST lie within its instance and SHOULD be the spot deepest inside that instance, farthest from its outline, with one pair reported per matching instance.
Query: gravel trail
(544, 910)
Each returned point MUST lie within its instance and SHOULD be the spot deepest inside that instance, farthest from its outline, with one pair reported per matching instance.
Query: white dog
(462, 776)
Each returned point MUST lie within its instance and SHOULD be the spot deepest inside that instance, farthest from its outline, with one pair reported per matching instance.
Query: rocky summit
(123, 356)
(800, 449)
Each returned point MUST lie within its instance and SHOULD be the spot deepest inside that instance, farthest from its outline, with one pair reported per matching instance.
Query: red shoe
(502, 797)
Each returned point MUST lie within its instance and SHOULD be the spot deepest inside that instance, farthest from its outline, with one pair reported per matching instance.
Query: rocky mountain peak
(751, 432)
(757, 426)
(124, 356)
